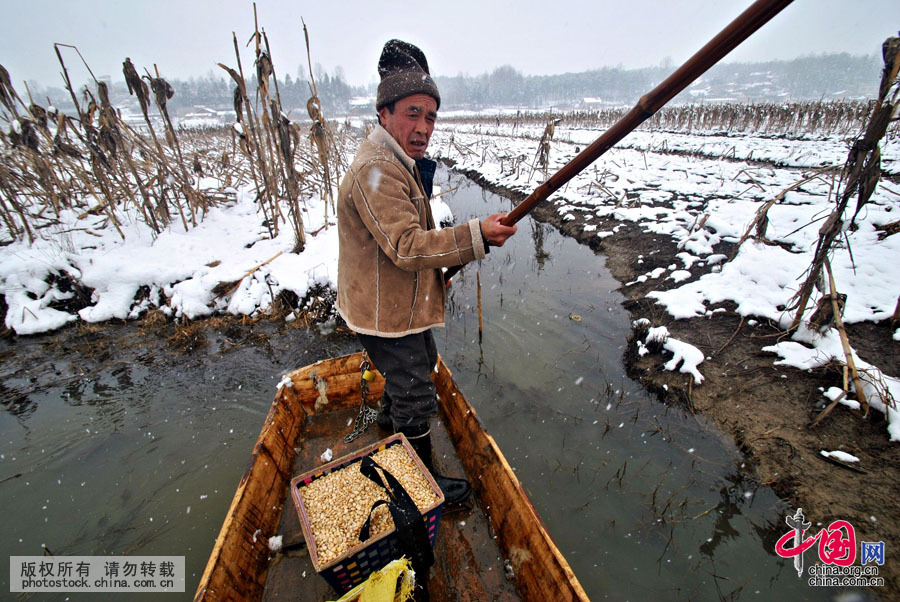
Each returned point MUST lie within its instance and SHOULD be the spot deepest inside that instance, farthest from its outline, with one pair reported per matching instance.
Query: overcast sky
(188, 37)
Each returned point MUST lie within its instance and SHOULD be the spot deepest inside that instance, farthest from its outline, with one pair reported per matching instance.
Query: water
(645, 501)
(112, 443)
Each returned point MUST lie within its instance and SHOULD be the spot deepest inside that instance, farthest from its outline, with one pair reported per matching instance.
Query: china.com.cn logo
(837, 553)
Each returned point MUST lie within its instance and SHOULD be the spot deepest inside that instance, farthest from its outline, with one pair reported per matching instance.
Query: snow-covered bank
(699, 201)
(174, 272)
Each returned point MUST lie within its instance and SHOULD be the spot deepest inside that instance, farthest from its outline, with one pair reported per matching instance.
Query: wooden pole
(757, 15)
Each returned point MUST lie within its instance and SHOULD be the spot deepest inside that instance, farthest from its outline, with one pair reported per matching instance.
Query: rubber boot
(383, 420)
(455, 490)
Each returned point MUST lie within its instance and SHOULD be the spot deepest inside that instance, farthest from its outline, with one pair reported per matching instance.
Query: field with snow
(79, 267)
(700, 189)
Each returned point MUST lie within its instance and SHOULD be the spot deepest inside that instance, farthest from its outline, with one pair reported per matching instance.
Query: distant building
(590, 103)
(361, 105)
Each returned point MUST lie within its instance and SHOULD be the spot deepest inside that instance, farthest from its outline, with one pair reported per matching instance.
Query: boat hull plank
(541, 571)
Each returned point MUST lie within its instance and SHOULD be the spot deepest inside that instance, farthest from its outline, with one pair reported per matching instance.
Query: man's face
(411, 123)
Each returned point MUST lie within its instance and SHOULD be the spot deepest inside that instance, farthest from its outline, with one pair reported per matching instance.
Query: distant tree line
(806, 78)
(216, 90)
(826, 76)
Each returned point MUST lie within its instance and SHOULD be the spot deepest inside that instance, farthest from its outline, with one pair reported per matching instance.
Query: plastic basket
(354, 567)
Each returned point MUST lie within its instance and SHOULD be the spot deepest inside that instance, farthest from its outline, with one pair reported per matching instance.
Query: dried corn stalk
(861, 172)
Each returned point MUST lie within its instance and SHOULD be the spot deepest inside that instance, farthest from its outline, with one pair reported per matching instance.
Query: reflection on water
(114, 444)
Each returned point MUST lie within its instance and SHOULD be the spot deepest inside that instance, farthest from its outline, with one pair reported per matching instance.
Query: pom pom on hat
(404, 71)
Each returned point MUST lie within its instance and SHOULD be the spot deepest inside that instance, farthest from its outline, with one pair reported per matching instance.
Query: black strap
(364, 531)
(412, 534)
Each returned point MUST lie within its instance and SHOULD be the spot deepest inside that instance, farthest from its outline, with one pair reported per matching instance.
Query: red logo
(837, 544)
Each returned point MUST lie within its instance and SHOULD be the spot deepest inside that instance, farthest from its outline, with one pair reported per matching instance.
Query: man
(391, 289)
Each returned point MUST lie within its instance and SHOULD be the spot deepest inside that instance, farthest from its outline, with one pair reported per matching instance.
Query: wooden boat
(496, 549)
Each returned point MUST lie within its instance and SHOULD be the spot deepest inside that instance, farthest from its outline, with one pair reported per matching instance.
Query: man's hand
(495, 232)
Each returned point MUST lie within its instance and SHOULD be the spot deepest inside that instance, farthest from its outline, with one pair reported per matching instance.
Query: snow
(440, 210)
(683, 354)
(276, 542)
(839, 455)
(687, 355)
(374, 177)
(199, 122)
(835, 393)
(758, 280)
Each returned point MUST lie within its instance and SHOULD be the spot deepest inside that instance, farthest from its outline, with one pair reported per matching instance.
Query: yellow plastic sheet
(381, 586)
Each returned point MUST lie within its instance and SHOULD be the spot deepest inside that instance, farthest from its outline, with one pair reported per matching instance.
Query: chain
(366, 414)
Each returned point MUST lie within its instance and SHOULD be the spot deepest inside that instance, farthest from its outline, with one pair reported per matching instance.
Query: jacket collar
(381, 137)
(427, 168)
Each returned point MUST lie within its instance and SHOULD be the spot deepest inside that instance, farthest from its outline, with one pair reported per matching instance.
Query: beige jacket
(390, 255)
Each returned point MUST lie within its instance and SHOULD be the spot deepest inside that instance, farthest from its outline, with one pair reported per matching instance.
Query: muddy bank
(768, 409)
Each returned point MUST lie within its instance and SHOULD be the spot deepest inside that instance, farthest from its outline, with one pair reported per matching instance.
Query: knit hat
(404, 72)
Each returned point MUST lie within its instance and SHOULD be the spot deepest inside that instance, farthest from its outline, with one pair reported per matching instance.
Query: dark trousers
(406, 364)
